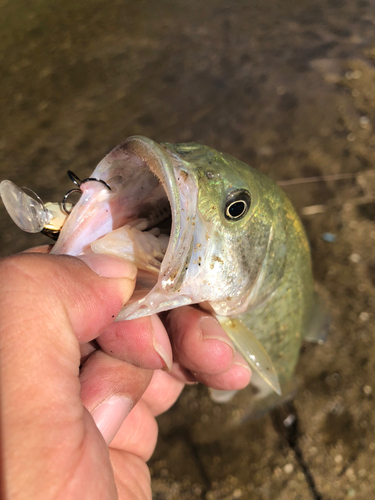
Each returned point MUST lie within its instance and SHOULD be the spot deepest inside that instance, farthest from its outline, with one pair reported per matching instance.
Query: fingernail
(211, 329)
(161, 342)
(110, 266)
(110, 414)
(238, 360)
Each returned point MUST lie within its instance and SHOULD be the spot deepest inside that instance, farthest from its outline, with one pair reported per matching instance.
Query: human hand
(51, 310)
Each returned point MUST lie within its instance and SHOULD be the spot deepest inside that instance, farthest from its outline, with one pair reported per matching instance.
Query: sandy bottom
(288, 88)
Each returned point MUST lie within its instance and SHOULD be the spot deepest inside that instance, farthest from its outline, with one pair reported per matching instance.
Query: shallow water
(288, 88)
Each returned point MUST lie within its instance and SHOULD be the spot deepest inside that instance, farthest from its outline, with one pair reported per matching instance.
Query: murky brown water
(286, 86)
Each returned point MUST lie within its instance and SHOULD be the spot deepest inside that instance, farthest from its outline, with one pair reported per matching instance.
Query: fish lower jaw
(155, 302)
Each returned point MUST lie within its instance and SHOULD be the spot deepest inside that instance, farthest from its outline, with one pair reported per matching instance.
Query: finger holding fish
(237, 377)
(200, 344)
(145, 342)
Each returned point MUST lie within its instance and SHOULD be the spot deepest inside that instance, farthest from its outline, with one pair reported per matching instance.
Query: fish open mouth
(146, 217)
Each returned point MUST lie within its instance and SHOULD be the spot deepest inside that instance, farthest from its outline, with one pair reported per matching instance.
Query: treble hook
(77, 181)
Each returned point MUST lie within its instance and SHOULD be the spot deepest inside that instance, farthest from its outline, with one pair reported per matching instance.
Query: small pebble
(290, 419)
(364, 121)
(354, 257)
(367, 390)
(349, 472)
(353, 75)
(237, 493)
(288, 468)
(313, 209)
(351, 137)
(364, 316)
(338, 459)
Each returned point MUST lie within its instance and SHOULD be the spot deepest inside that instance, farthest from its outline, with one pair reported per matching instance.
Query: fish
(204, 228)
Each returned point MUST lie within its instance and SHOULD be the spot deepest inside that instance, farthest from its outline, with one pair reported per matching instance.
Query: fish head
(238, 253)
(201, 226)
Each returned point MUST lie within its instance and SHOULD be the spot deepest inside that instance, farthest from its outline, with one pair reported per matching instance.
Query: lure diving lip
(29, 213)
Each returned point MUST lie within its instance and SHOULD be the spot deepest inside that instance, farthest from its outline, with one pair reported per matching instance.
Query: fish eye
(237, 205)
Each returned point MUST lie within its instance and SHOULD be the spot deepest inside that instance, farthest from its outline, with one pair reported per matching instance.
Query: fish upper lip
(159, 161)
(179, 189)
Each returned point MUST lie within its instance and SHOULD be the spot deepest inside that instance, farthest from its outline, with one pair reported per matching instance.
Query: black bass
(202, 228)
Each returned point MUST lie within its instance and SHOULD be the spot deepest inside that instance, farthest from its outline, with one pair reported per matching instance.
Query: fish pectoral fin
(252, 350)
(319, 321)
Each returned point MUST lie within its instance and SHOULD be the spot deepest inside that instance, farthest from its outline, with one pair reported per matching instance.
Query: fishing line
(317, 178)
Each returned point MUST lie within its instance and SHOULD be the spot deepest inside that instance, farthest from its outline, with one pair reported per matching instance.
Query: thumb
(48, 300)
(48, 304)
